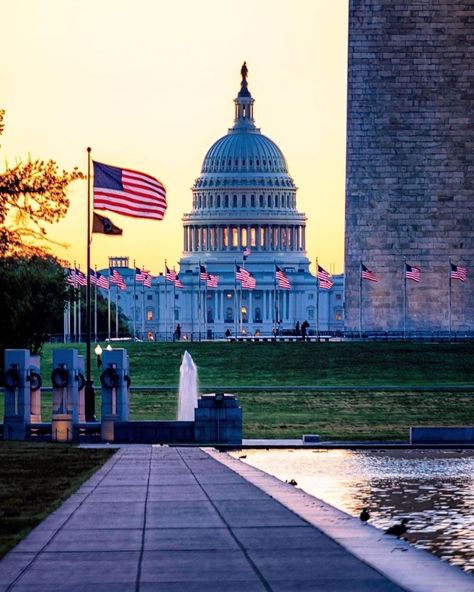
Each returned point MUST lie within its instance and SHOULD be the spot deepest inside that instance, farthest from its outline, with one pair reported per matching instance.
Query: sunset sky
(149, 85)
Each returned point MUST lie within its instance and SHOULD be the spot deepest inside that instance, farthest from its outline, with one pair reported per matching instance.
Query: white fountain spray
(188, 389)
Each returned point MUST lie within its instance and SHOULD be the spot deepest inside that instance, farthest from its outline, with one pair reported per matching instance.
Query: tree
(32, 194)
(33, 291)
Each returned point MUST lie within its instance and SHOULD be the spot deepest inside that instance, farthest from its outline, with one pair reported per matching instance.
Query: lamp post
(98, 352)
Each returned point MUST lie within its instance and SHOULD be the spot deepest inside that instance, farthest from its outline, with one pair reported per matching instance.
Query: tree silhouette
(32, 194)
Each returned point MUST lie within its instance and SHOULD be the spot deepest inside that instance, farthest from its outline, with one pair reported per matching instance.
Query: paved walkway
(175, 519)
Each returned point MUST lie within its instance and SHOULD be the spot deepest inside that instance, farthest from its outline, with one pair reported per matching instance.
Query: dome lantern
(244, 105)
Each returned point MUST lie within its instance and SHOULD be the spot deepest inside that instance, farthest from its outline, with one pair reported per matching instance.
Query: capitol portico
(243, 199)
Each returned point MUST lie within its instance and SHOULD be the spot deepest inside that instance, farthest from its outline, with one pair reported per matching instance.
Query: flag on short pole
(282, 279)
(102, 281)
(249, 283)
(458, 272)
(246, 253)
(367, 274)
(203, 275)
(143, 276)
(177, 282)
(104, 225)
(116, 279)
(412, 273)
(71, 277)
(213, 281)
(147, 280)
(241, 273)
(93, 275)
(128, 192)
(81, 278)
(170, 274)
(324, 277)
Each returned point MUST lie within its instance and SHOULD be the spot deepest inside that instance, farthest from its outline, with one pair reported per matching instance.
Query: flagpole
(360, 298)
(109, 314)
(95, 308)
(317, 298)
(143, 310)
(79, 316)
(74, 308)
(199, 300)
(404, 298)
(89, 394)
(205, 310)
(116, 311)
(134, 300)
(174, 307)
(449, 298)
(235, 298)
(166, 305)
(275, 313)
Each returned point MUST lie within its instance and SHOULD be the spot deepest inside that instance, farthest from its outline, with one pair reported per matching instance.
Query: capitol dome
(244, 196)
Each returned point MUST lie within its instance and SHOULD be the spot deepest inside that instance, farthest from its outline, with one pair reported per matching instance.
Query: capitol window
(149, 315)
(244, 201)
(226, 201)
(234, 201)
(218, 201)
(235, 237)
(252, 201)
(261, 201)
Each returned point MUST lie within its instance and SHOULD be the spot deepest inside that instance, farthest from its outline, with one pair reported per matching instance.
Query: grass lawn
(35, 479)
(298, 364)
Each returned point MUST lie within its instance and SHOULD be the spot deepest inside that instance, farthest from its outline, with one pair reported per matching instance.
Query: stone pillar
(115, 384)
(17, 410)
(66, 379)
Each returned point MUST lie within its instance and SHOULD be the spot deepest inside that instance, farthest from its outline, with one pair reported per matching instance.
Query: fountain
(188, 389)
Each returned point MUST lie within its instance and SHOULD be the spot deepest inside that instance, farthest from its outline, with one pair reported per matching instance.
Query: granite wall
(410, 161)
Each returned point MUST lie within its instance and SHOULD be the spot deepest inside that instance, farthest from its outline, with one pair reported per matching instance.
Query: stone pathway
(176, 520)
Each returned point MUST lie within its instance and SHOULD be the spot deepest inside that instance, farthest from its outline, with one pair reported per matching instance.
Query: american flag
(102, 281)
(282, 279)
(367, 274)
(213, 281)
(324, 278)
(147, 280)
(116, 279)
(246, 253)
(81, 278)
(170, 274)
(71, 277)
(412, 273)
(203, 275)
(178, 283)
(128, 192)
(249, 283)
(458, 272)
(241, 273)
(93, 277)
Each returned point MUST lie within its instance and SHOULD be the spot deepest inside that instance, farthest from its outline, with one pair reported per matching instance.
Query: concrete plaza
(178, 519)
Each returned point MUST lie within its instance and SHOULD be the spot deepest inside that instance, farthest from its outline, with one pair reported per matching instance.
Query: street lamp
(109, 347)
(98, 352)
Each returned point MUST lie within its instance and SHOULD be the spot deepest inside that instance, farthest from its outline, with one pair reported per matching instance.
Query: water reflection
(435, 489)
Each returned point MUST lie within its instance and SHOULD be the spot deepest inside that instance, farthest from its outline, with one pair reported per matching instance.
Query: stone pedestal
(218, 420)
(17, 394)
(115, 381)
(62, 429)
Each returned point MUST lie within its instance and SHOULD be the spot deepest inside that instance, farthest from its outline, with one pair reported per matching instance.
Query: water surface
(434, 489)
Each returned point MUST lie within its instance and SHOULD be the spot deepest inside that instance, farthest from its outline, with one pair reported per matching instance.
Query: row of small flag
(76, 277)
(457, 272)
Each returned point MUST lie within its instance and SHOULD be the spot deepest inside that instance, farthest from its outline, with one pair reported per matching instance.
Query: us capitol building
(244, 199)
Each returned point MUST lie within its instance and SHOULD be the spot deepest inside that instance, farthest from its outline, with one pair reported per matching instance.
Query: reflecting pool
(434, 489)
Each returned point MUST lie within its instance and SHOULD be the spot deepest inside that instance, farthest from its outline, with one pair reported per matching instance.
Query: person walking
(304, 329)
(178, 332)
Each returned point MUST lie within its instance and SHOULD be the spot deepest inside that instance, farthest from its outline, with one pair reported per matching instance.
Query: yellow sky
(150, 85)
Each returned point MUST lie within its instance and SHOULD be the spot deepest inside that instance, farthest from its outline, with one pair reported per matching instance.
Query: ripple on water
(434, 488)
